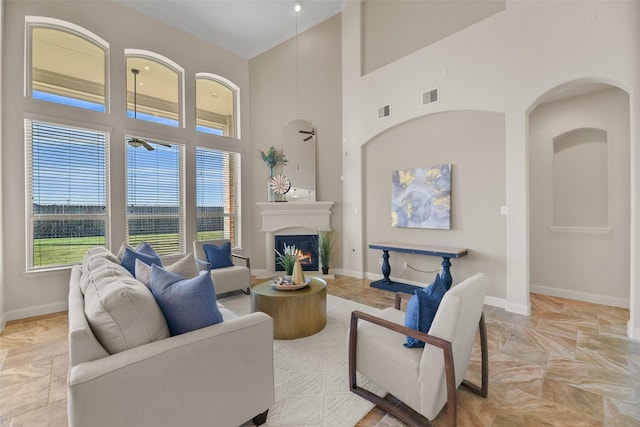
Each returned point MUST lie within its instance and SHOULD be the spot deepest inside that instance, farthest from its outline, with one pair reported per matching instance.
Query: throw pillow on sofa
(121, 311)
(185, 267)
(218, 256)
(422, 308)
(187, 304)
(143, 252)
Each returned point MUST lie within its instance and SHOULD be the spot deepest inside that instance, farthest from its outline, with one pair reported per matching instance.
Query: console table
(445, 252)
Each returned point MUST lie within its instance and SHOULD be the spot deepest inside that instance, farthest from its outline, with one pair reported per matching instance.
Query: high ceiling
(245, 27)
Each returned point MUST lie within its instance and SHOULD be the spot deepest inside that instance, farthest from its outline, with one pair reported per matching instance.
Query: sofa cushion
(187, 304)
(422, 308)
(98, 261)
(218, 256)
(144, 253)
(121, 311)
(185, 267)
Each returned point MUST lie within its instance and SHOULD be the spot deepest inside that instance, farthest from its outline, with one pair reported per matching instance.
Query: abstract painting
(421, 197)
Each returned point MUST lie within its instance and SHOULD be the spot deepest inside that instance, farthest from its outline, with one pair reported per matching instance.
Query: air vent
(384, 111)
(430, 96)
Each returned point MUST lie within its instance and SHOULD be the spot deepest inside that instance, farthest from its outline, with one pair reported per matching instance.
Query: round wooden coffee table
(297, 313)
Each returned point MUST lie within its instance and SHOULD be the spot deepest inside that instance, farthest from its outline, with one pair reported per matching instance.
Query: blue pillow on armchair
(218, 256)
(422, 308)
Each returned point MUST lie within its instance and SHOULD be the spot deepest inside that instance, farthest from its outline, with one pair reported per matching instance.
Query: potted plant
(324, 246)
(287, 259)
(272, 158)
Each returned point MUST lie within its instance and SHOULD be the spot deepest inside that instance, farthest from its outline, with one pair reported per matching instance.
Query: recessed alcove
(580, 179)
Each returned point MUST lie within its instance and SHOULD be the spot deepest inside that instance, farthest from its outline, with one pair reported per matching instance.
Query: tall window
(68, 64)
(155, 195)
(218, 195)
(154, 88)
(216, 105)
(67, 192)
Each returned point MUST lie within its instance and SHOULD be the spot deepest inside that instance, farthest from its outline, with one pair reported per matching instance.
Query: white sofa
(219, 375)
(226, 279)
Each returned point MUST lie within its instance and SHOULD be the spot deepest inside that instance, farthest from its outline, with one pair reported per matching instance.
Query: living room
(491, 77)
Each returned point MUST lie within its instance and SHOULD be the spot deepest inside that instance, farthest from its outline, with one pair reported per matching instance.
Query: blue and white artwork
(421, 197)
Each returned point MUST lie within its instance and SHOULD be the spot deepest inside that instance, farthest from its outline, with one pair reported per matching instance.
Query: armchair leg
(482, 391)
(260, 419)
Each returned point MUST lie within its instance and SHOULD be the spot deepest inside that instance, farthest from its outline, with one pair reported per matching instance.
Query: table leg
(386, 267)
(446, 273)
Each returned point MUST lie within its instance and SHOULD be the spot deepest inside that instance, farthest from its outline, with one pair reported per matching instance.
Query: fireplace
(305, 247)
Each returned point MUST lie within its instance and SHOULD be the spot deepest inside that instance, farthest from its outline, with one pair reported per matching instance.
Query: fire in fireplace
(305, 247)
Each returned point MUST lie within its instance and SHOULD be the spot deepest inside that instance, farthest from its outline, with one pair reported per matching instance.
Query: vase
(325, 269)
(298, 275)
(270, 194)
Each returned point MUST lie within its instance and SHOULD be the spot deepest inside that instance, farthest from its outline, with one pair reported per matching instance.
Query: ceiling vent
(384, 111)
(430, 96)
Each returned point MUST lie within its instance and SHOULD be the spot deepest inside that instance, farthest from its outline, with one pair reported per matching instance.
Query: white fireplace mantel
(278, 216)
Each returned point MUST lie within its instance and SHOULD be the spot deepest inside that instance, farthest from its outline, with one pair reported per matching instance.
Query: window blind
(155, 197)
(218, 195)
(67, 192)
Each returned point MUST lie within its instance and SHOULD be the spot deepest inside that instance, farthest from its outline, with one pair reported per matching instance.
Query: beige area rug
(312, 373)
(390, 421)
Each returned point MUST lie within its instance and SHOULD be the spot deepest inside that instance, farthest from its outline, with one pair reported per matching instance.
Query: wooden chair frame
(403, 412)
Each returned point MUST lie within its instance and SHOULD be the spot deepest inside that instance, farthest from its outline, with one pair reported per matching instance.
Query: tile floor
(568, 364)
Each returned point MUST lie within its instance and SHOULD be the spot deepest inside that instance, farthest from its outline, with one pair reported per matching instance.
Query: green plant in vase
(324, 247)
(272, 158)
(287, 259)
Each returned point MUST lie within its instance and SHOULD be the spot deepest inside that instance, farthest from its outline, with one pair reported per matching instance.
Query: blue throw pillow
(218, 256)
(187, 304)
(144, 252)
(422, 308)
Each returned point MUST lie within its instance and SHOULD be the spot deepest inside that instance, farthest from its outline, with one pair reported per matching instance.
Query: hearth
(305, 247)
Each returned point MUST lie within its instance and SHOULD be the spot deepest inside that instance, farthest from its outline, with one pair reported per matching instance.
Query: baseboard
(3, 322)
(524, 309)
(495, 302)
(580, 296)
(633, 333)
(38, 310)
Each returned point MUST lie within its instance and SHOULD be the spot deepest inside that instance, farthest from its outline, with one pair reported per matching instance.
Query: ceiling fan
(137, 142)
(311, 133)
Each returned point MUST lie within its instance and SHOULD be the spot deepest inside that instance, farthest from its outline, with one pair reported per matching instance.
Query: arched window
(154, 88)
(66, 64)
(217, 106)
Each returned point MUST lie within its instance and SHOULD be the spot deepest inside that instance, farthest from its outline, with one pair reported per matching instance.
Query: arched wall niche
(580, 178)
(573, 252)
(473, 143)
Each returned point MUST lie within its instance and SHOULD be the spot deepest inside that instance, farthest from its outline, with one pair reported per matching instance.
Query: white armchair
(423, 379)
(226, 279)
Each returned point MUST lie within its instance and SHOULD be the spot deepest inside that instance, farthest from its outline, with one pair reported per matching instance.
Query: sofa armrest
(202, 264)
(246, 259)
(151, 384)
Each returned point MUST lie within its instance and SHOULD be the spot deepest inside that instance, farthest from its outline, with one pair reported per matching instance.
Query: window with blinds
(67, 192)
(218, 195)
(155, 195)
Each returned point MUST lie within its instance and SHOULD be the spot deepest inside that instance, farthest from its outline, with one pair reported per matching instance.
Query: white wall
(28, 294)
(504, 64)
(473, 143)
(3, 317)
(273, 106)
(591, 266)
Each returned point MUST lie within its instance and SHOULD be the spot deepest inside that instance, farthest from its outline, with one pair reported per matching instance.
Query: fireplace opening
(305, 247)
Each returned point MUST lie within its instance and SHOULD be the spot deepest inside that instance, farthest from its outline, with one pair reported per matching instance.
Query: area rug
(312, 373)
